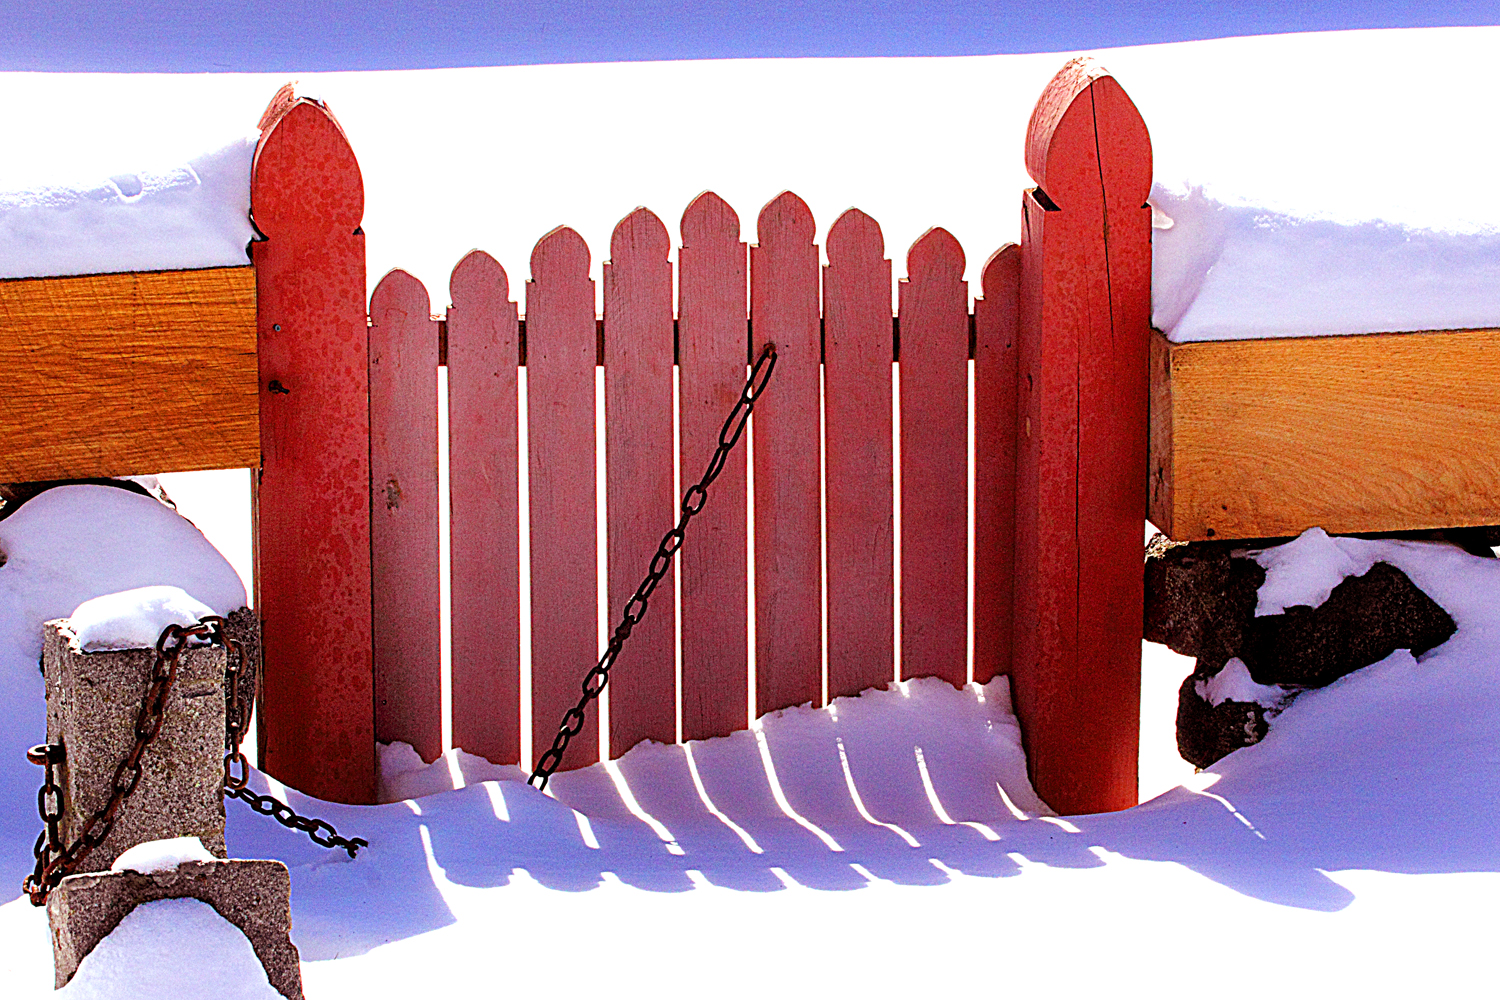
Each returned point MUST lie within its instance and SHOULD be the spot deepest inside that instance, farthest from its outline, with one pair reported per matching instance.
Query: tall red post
(1081, 460)
(312, 495)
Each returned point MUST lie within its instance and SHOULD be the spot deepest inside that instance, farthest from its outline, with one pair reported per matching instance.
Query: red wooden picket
(788, 518)
(1081, 464)
(639, 461)
(560, 363)
(404, 515)
(483, 484)
(713, 346)
(934, 308)
(857, 420)
(312, 494)
(995, 339)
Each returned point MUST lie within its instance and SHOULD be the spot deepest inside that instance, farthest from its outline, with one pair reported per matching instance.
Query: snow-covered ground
(868, 849)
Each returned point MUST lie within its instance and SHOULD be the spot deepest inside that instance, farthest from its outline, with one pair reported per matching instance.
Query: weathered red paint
(639, 462)
(858, 446)
(404, 515)
(713, 346)
(788, 515)
(995, 341)
(483, 484)
(1081, 464)
(934, 307)
(560, 363)
(312, 493)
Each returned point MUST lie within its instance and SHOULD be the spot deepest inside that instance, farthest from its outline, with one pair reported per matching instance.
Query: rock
(255, 896)
(1201, 599)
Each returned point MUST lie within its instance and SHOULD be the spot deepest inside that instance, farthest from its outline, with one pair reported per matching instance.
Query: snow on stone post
(312, 565)
(1081, 470)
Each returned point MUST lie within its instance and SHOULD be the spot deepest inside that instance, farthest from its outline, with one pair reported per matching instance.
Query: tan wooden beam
(1377, 432)
(126, 374)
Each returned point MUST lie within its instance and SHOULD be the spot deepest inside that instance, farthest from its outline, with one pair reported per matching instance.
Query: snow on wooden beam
(1377, 432)
(126, 374)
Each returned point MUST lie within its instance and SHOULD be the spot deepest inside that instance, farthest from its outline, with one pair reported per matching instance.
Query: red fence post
(1081, 465)
(312, 495)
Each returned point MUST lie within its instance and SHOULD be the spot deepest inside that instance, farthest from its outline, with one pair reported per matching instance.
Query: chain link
(635, 608)
(54, 861)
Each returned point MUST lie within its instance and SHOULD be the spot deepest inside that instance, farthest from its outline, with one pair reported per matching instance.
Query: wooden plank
(313, 492)
(1380, 432)
(560, 362)
(996, 321)
(484, 523)
(1081, 464)
(859, 479)
(934, 306)
(638, 348)
(159, 374)
(404, 515)
(788, 515)
(713, 346)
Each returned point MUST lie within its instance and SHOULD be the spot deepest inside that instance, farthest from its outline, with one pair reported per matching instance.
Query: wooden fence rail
(867, 420)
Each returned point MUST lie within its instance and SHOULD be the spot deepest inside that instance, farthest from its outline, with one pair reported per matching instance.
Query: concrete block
(255, 896)
(92, 701)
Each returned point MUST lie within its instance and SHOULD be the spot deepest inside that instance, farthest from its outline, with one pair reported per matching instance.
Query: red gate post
(312, 496)
(1081, 460)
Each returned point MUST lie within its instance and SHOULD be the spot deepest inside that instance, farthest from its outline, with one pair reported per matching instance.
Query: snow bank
(1232, 269)
(172, 949)
(161, 855)
(133, 619)
(196, 214)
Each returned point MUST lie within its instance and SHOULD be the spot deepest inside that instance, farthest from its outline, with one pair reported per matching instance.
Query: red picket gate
(348, 501)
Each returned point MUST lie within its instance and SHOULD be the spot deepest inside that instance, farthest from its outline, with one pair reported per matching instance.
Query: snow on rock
(161, 855)
(133, 619)
(1223, 270)
(58, 550)
(171, 949)
(196, 214)
(1306, 569)
(1234, 683)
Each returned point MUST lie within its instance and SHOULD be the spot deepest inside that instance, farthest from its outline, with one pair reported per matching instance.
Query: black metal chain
(635, 608)
(54, 862)
(319, 831)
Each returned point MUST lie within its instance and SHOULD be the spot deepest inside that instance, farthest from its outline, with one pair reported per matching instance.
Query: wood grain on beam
(1376, 432)
(123, 374)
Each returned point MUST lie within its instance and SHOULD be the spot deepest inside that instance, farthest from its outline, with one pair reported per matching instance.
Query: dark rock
(1206, 733)
(1201, 599)
(1365, 619)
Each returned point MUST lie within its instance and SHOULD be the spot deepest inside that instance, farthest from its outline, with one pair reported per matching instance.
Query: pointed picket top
(561, 252)
(305, 177)
(709, 218)
(476, 271)
(1001, 272)
(854, 235)
(1085, 116)
(642, 232)
(785, 219)
(936, 252)
(400, 290)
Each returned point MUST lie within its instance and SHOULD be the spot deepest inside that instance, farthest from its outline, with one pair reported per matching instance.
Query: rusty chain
(635, 608)
(54, 861)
